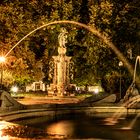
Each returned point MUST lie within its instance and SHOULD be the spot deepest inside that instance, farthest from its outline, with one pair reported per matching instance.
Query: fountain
(93, 30)
(60, 72)
(132, 96)
(64, 80)
(16, 112)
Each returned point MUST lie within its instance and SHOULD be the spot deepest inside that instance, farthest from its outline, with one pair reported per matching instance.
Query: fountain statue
(132, 96)
(61, 66)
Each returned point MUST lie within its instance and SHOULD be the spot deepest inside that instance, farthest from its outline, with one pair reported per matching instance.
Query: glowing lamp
(14, 89)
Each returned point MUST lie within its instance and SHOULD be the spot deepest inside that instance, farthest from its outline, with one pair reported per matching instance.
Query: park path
(47, 100)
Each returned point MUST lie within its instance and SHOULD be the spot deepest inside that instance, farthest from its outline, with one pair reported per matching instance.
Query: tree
(118, 20)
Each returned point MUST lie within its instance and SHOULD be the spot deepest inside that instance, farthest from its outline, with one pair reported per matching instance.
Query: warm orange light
(2, 59)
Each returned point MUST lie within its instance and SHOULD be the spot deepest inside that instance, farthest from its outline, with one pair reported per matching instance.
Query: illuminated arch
(89, 28)
(135, 69)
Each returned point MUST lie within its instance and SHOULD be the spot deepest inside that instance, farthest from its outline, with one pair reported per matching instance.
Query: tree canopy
(118, 20)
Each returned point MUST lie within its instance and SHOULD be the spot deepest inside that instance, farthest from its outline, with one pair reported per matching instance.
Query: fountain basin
(12, 110)
(57, 112)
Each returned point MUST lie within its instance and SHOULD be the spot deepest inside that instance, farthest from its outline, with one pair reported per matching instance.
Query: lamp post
(120, 65)
(2, 60)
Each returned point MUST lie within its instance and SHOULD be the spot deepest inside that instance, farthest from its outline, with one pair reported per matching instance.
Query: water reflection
(61, 129)
(76, 128)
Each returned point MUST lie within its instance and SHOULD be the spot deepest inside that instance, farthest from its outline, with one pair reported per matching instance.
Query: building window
(37, 86)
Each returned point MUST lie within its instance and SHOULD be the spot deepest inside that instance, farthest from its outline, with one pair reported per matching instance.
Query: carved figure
(62, 38)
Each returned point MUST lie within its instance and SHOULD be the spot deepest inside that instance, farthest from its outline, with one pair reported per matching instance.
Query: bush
(111, 83)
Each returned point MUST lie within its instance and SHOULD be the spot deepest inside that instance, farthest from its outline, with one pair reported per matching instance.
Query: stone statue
(62, 38)
(131, 92)
(61, 72)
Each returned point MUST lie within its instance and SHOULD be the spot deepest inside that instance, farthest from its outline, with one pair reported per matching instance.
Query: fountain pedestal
(61, 71)
(61, 80)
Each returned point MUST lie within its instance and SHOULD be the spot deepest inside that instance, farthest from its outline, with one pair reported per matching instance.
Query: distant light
(2, 59)
(14, 89)
(120, 63)
(96, 90)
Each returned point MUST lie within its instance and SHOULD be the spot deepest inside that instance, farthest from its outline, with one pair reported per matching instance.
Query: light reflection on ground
(45, 100)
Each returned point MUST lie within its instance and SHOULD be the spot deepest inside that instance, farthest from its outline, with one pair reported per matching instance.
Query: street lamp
(2, 60)
(120, 65)
(14, 89)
